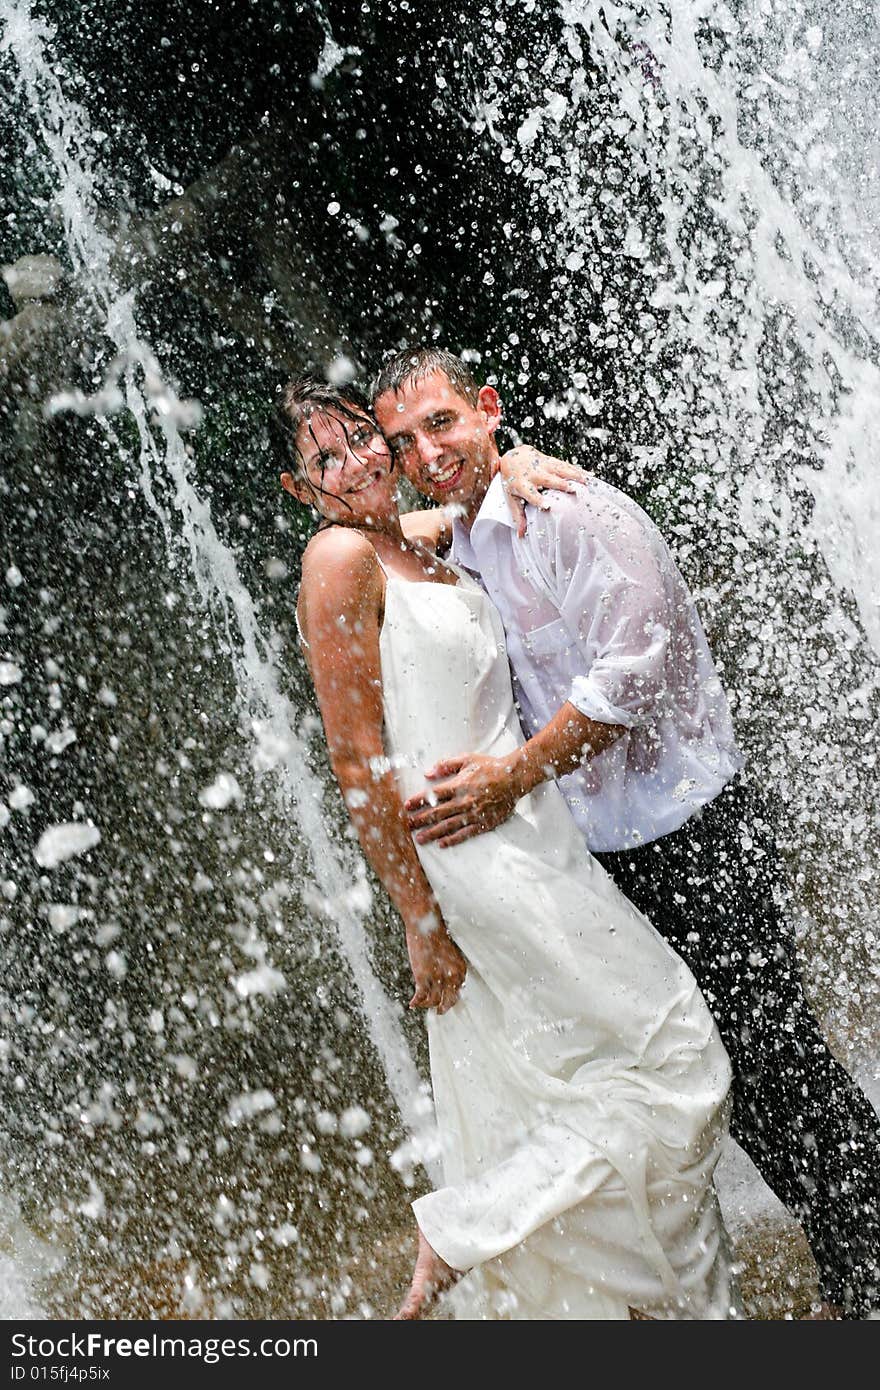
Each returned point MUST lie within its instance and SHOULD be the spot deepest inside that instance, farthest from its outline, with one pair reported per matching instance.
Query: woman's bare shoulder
(339, 565)
(339, 549)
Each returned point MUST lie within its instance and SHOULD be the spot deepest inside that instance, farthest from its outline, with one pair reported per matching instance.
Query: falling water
(704, 124)
(343, 894)
(726, 193)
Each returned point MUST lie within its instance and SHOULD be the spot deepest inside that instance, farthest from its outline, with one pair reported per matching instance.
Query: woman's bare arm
(431, 528)
(339, 606)
(524, 472)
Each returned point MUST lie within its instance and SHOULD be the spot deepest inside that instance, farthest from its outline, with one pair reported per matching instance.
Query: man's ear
(489, 405)
(297, 488)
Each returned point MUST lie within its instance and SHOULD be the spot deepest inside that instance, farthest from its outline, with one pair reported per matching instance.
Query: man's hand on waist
(471, 794)
(475, 792)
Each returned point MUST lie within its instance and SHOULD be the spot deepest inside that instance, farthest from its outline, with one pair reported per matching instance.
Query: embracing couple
(533, 744)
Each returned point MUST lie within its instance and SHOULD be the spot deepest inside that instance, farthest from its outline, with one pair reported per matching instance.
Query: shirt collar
(494, 511)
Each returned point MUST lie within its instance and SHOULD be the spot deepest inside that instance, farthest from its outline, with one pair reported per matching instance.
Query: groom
(616, 686)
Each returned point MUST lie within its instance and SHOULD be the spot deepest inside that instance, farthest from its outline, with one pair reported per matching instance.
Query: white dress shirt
(596, 613)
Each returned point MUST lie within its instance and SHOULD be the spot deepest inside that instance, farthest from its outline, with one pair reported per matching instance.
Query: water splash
(753, 223)
(136, 384)
(684, 151)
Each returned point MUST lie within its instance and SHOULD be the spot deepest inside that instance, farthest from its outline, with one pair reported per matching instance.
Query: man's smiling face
(444, 444)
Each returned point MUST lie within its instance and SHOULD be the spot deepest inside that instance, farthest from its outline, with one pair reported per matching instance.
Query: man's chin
(442, 497)
(452, 497)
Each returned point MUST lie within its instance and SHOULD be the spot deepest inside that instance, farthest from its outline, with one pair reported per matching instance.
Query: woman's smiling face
(346, 470)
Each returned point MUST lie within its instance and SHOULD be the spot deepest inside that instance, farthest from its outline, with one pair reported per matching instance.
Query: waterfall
(689, 150)
(164, 476)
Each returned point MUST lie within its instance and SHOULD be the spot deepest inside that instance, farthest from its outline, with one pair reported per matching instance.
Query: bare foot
(430, 1277)
(825, 1312)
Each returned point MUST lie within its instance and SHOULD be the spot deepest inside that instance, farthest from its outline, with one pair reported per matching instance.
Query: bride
(579, 1081)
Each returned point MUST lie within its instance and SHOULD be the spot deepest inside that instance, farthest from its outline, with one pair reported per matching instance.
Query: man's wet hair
(306, 396)
(412, 365)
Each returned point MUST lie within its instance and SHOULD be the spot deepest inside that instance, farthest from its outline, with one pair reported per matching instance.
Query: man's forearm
(479, 791)
(569, 740)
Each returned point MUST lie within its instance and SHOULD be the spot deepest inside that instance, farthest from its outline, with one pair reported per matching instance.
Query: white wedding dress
(579, 1082)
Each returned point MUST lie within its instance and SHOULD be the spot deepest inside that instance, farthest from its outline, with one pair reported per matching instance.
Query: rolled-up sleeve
(615, 601)
(625, 684)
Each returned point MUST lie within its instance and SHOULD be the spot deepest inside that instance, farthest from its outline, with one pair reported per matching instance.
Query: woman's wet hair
(306, 396)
